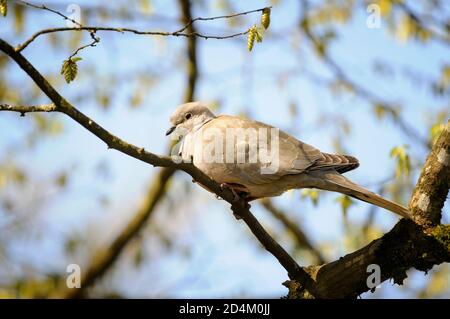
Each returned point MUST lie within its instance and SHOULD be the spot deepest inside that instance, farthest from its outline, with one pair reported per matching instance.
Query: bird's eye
(188, 116)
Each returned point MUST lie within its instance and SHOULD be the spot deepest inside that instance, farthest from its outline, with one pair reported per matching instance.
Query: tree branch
(191, 21)
(92, 29)
(419, 245)
(192, 63)
(22, 46)
(22, 109)
(95, 39)
(432, 188)
(107, 258)
(405, 246)
(44, 7)
(240, 208)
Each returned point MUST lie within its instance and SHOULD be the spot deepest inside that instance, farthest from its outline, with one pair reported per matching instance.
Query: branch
(408, 245)
(92, 29)
(94, 42)
(106, 258)
(22, 46)
(95, 39)
(240, 208)
(432, 188)
(192, 68)
(43, 7)
(22, 109)
(189, 23)
(405, 246)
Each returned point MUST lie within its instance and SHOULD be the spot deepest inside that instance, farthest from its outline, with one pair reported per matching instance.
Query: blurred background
(328, 72)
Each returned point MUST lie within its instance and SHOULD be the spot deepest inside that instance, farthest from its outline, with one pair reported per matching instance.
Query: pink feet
(239, 192)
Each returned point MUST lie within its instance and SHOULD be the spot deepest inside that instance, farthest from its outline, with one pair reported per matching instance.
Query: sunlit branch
(106, 258)
(240, 208)
(22, 109)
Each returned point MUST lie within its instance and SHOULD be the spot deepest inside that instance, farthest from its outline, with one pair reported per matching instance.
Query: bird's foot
(240, 197)
(236, 196)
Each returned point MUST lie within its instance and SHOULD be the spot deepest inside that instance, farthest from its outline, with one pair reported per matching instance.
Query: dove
(255, 160)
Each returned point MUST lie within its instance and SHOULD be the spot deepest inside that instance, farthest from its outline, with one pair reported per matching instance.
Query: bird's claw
(236, 197)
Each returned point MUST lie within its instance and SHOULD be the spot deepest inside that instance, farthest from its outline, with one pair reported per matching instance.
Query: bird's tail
(333, 181)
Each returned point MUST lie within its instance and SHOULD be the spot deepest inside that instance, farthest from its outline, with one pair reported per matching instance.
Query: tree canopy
(87, 90)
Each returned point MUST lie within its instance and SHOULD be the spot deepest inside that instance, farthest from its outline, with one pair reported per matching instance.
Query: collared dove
(292, 164)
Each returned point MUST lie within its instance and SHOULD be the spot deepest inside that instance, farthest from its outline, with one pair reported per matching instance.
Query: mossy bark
(420, 243)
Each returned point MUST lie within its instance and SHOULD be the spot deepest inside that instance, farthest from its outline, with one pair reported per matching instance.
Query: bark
(420, 244)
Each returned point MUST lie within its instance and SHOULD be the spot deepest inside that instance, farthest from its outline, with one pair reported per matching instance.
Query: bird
(232, 159)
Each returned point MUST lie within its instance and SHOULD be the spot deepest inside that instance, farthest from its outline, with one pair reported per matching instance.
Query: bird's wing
(285, 154)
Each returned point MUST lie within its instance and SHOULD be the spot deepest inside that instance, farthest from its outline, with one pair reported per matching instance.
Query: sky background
(224, 260)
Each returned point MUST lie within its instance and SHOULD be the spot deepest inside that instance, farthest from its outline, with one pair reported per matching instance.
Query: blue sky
(240, 81)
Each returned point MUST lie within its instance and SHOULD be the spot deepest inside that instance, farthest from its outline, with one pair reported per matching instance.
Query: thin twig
(94, 42)
(22, 46)
(107, 257)
(22, 109)
(43, 7)
(221, 17)
(180, 32)
(91, 32)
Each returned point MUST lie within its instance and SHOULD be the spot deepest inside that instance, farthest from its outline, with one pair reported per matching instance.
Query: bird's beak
(170, 130)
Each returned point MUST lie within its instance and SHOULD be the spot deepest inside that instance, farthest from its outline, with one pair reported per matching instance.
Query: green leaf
(345, 202)
(70, 69)
(380, 110)
(436, 130)
(320, 48)
(19, 18)
(3, 7)
(403, 162)
(61, 179)
(313, 194)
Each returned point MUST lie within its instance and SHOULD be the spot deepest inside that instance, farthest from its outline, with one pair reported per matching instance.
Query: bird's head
(190, 116)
